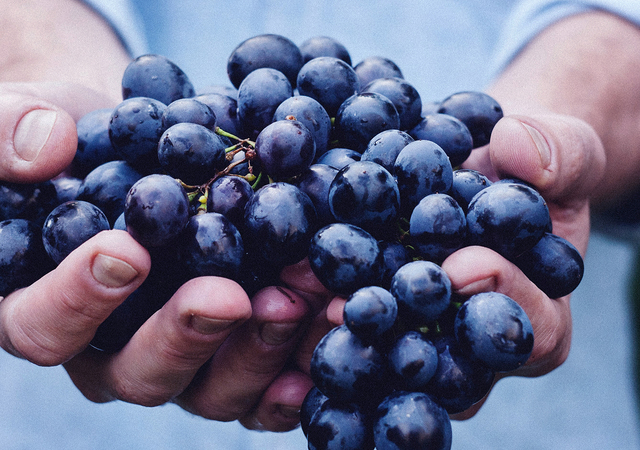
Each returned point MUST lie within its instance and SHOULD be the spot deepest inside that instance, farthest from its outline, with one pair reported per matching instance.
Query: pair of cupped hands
(211, 349)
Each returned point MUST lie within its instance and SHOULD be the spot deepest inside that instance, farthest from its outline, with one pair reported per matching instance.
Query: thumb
(38, 136)
(561, 155)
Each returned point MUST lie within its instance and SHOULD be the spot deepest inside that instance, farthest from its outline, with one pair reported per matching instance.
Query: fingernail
(207, 325)
(277, 333)
(541, 144)
(112, 272)
(33, 132)
(484, 285)
(290, 412)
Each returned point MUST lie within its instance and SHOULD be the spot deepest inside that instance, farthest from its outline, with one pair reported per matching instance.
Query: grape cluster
(309, 156)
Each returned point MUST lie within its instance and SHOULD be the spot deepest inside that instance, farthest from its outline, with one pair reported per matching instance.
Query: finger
(279, 407)
(38, 137)
(301, 279)
(250, 359)
(56, 317)
(165, 354)
(478, 269)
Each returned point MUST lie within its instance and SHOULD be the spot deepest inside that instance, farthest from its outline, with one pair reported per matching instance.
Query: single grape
(317, 46)
(449, 133)
(228, 195)
(374, 67)
(394, 256)
(312, 115)
(385, 147)
(69, 225)
(339, 157)
(340, 426)
(157, 77)
(466, 184)
(311, 403)
(94, 145)
(477, 110)
(370, 312)
(403, 95)
(31, 201)
(412, 360)
(225, 109)
(189, 110)
(315, 182)
(67, 188)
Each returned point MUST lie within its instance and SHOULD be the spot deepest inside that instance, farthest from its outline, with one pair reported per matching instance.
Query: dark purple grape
(449, 133)
(286, 148)
(553, 264)
(259, 95)
(385, 147)
(189, 110)
(67, 188)
(477, 110)
(156, 210)
(345, 258)
(107, 186)
(218, 89)
(32, 201)
(413, 360)
(508, 218)
(422, 290)
(366, 195)
(225, 109)
(279, 222)
(192, 153)
(403, 95)
(23, 259)
(156, 77)
(228, 195)
(494, 329)
(346, 369)
(315, 182)
(211, 246)
(459, 381)
(466, 184)
(374, 67)
(311, 114)
(264, 51)
(318, 46)
(135, 129)
(363, 116)
(394, 256)
(370, 312)
(94, 145)
(437, 227)
(340, 426)
(311, 403)
(339, 157)
(421, 168)
(409, 421)
(69, 225)
(328, 80)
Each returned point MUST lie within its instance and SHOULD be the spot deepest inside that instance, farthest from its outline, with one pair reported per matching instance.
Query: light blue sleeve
(124, 19)
(530, 17)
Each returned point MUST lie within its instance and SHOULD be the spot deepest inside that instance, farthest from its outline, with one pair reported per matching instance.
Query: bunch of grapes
(309, 156)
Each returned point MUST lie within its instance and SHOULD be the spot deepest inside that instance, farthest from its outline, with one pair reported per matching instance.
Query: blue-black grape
(135, 129)
(279, 222)
(421, 168)
(422, 290)
(345, 258)
(370, 312)
(312, 115)
(340, 426)
(259, 95)
(107, 186)
(94, 145)
(339, 157)
(553, 264)
(374, 67)
(157, 77)
(403, 95)
(286, 148)
(347, 369)
(466, 184)
(315, 182)
(228, 195)
(264, 51)
(211, 245)
(311, 403)
(23, 259)
(69, 225)
(509, 218)
(225, 109)
(189, 110)
(412, 360)
(32, 201)
(437, 227)
(67, 188)
(191, 152)
(477, 110)
(328, 80)
(318, 46)
(385, 147)
(449, 133)
(409, 421)
(365, 194)
(361, 117)
(394, 256)
(494, 329)
(156, 210)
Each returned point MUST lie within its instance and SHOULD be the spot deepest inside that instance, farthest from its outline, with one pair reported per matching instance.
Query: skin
(252, 355)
